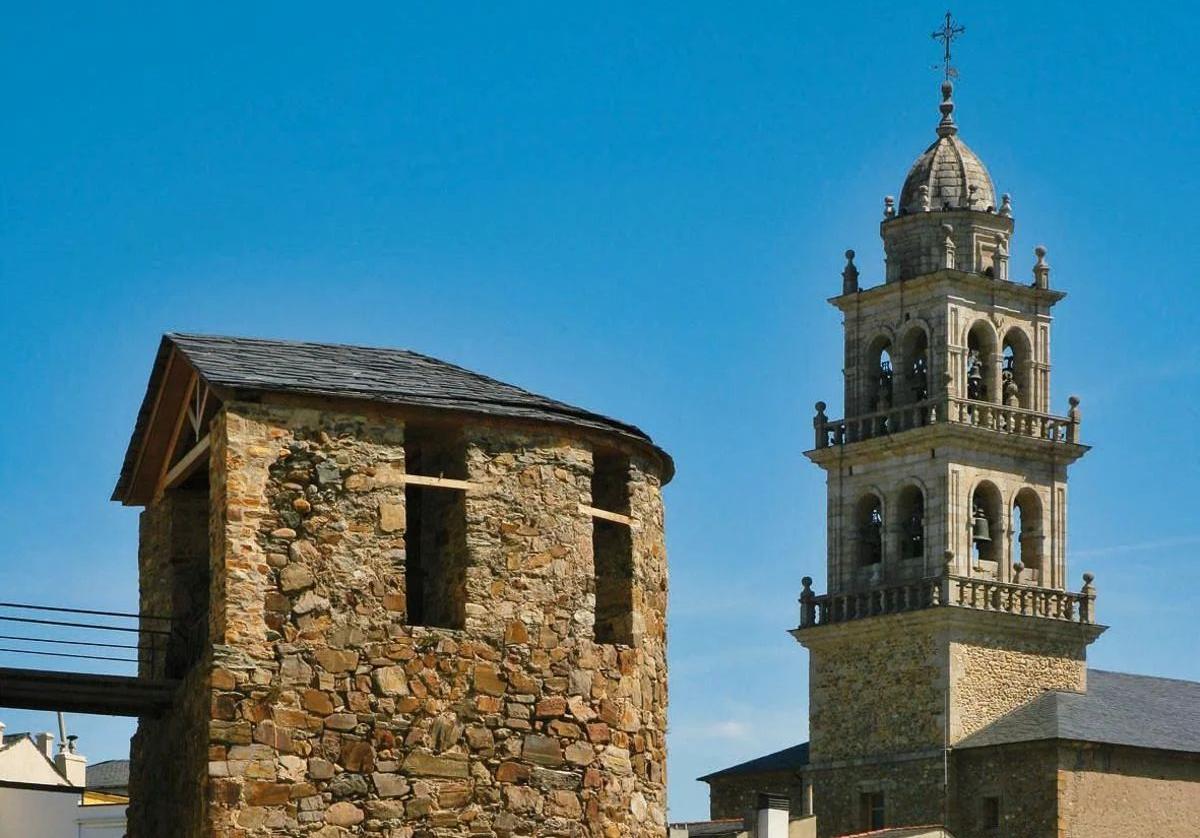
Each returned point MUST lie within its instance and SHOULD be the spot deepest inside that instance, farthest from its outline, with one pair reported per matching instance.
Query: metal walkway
(132, 659)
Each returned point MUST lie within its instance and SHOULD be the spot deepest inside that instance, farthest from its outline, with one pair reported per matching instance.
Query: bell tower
(948, 602)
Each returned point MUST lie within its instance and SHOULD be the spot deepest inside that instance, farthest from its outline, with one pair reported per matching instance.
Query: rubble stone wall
(331, 716)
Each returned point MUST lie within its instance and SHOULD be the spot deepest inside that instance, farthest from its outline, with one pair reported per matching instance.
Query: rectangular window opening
(612, 551)
(991, 812)
(871, 809)
(435, 536)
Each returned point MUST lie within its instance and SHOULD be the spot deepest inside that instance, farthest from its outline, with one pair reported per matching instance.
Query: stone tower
(948, 601)
(408, 600)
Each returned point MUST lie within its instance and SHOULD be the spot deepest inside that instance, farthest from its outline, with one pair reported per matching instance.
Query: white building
(48, 795)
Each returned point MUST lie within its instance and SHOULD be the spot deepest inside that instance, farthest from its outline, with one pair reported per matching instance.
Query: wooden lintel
(615, 517)
(187, 464)
(440, 482)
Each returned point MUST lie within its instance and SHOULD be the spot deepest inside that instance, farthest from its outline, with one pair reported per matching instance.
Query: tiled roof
(789, 759)
(246, 366)
(1117, 709)
(110, 774)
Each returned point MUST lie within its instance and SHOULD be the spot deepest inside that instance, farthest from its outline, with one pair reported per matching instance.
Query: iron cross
(946, 34)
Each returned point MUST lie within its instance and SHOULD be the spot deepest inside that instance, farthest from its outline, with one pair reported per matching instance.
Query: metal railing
(149, 645)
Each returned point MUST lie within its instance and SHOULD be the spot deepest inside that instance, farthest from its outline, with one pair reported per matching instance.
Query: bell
(980, 530)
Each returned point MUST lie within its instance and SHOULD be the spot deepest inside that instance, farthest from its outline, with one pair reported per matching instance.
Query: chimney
(772, 816)
(45, 744)
(72, 766)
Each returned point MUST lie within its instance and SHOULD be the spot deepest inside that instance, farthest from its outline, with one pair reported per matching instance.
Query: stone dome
(954, 175)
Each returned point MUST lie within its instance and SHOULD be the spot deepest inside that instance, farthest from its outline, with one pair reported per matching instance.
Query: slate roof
(110, 774)
(789, 759)
(729, 828)
(247, 366)
(1118, 709)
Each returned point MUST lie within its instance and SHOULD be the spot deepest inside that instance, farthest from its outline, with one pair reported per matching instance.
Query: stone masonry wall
(912, 792)
(1107, 790)
(994, 672)
(1022, 776)
(331, 716)
(734, 797)
(169, 753)
(876, 692)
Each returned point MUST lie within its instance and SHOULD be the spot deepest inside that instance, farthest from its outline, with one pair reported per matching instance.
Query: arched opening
(911, 512)
(981, 364)
(1028, 538)
(987, 523)
(1017, 369)
(869, 519)
(916, 364)
(878, 374)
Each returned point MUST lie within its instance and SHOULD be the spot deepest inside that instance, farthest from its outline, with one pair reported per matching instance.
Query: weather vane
(946, 34)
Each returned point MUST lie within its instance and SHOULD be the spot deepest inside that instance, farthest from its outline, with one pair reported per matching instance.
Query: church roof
(242, 367)
(789, 759)
(953, 174)
(1118, 709)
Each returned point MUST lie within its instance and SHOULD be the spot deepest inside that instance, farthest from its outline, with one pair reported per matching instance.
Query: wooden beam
(161, 432)
(440, 482)
(185, 404)
(187, 464)
(615, 517)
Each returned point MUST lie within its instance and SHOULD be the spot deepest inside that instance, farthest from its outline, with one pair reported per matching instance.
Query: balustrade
(953, 592)
(1017, 421)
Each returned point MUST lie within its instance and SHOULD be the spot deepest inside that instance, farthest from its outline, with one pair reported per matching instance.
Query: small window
(871, 808)
(435, 537)
(991, 812)
(612, 551)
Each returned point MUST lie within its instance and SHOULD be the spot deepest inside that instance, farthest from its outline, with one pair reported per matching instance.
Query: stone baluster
(821, 426)
(1087, 600)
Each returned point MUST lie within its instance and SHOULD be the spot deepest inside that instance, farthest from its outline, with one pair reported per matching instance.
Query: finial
(806, 582)
(1006, 205)
(889, 207)
(1088, 579)
(923, 196)
(1041, 271)
(971, 199)
(849, 274)
(947, 128)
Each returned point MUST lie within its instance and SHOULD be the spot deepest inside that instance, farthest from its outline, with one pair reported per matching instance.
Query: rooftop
(954, 177)
(237, 367)
(789, 759)
(1118, 709)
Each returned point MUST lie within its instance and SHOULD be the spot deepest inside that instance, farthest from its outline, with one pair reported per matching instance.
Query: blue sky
(637, 209)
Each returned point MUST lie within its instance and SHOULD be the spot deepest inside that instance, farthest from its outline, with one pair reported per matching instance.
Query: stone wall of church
(999, 662)
(911, 793)
(329, 715)
(1022, 776)
(733, 797)
(1111, 790)
(876, 687)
